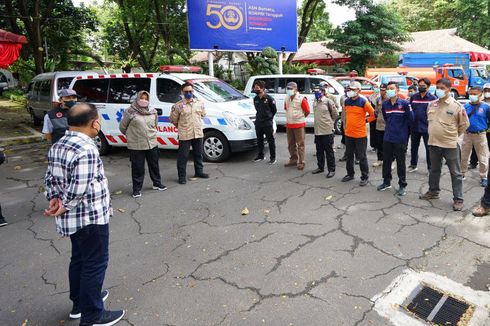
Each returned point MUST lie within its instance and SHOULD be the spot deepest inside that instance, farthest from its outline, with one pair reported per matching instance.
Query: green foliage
(297, 68)
(375, 31)
(321, 26)
(15, 95)
(26, 70)
(470, 17)
(238, 84)
(386, 61)
(266, 63)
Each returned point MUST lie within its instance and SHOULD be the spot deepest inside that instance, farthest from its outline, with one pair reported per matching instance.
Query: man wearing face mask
(265, 105)
(297, 109)
(447, 120)
(355, 108)
(55, 123)
(479, 115)
(79, 199)
(419, 103)
(380, 124)
(398, 115)
(187, 116)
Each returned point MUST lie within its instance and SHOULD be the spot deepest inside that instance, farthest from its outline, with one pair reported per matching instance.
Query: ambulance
(228, 125)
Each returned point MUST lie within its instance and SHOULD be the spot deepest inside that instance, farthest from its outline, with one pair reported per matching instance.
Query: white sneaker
(378, 163)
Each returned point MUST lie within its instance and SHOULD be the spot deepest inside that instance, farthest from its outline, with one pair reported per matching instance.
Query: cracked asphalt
(312, 251)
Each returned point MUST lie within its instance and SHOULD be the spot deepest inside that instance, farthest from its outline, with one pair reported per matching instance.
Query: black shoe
(272, 161)
(347, 178)
(259, 158)
(182, 181)
(363, 182)
(201, 175)
(343, 159)
(330, 174)
(76, 313)
(107, 318)
(317, 171)
(2, 221)
(136, 194)
(159, 187)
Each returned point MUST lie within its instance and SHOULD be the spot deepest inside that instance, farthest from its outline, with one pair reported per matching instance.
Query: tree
(321, 24)
(375, 31)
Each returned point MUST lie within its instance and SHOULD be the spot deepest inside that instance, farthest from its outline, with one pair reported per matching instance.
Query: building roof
(442, 40)
(316, 50)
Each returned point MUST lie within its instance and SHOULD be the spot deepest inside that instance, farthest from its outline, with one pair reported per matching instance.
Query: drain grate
(438, 308)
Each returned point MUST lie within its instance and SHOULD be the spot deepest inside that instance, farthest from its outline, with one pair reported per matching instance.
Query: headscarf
(135, 108)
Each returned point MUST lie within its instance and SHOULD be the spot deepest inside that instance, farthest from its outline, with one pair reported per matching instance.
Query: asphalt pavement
(311, 251)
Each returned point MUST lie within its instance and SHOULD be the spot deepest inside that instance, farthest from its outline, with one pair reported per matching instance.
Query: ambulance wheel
(215, 147)
(338, 126)
(102, 144)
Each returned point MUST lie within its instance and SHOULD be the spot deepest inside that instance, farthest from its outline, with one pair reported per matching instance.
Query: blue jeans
(89, 258)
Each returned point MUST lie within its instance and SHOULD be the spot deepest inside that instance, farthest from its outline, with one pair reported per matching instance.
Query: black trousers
(183, 156)
(324, 148)
(358, 147)
(372, 135)
(379, 135)
(414, 149)
(138, 158)
(269, 134)
(399, 152)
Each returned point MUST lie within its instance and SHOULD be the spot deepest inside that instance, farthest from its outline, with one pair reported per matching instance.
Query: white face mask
(486, 94)
(351, 94)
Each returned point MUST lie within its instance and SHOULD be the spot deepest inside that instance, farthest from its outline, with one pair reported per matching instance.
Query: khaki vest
(294, 112)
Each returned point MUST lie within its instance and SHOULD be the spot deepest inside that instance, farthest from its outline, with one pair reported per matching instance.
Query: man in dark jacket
(266, 109)
(55, 122)
(398, 116)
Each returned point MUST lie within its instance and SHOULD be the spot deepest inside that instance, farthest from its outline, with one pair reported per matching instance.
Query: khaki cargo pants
(296, 145)
(479, 141)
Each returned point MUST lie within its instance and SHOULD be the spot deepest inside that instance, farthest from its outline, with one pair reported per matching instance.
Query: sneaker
(484, 183)
(481, 211)
(201, 175)
(429, 195)
(136, 194)
(330, 174)
(347, 178)
(464, 177)
(76, 313)
(402, 191)
(301, 166)
(272, 161)
(107, 318)
(412, 168)
(182, 181)
(383, 187)
(373, 150)
(259, 158)
(378, 163)
(2, 221)
(458, 205)
(317, 171)
(363, 182)
(160, 187)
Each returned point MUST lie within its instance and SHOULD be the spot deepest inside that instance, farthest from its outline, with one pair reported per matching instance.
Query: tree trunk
(33, 28)
(307, 20)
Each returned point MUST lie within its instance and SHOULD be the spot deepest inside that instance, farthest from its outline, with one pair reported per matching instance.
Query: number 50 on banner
(229, 17)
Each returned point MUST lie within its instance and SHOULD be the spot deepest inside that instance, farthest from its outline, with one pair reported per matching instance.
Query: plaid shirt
(76, 175)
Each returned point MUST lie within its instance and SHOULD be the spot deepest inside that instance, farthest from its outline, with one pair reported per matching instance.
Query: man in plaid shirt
(79, 199)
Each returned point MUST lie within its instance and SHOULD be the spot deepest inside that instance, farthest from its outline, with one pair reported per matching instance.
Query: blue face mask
(440, 93)
(188, 95)
(318, 95)
(474, 98)
(390, 93)
(290, 92)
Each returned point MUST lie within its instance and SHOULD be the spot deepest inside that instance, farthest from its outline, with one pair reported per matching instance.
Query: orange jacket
(355, 117)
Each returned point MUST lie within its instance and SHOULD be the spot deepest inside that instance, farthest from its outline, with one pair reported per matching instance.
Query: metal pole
(211, 63)
(281, 56)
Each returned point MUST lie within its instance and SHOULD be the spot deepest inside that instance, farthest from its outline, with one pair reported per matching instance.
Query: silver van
(7, 81)
(42, 92)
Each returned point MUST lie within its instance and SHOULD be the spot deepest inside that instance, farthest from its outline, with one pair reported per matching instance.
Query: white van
(228, 126)
(275, 86)
(7, 81)
(42, 92)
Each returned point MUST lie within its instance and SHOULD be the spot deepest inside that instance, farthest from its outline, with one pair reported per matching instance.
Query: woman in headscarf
(139, 125)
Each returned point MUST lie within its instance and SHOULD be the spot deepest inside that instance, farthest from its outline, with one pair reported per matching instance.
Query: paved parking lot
(312, 251)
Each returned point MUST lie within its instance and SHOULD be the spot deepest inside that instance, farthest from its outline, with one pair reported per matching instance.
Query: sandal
(481, 211)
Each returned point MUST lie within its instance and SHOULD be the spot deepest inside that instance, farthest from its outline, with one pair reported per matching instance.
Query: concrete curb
(35, 137)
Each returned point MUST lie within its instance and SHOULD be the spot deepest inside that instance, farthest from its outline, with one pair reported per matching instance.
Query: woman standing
(139, 125)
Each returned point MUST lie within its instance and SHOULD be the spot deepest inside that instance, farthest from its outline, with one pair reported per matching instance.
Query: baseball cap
(487, 85)
(354, 85)
(67, 92)
(292, 85)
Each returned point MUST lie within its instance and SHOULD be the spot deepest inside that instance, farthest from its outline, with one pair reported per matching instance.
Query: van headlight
(236, 121)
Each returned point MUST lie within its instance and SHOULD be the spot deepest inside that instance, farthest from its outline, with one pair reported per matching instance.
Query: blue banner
(239, 25)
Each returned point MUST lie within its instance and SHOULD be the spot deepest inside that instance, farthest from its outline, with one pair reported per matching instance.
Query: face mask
(318, 95)
(351, 94)
(70, 104)
(376, 90)
(390, 93)
(487, 95)
(256, 91)
(98, 130)
(411, 93)
(188, 95)
(290, 92)
(440, 93)
(474, 98)
(422, 89)
(143, 103)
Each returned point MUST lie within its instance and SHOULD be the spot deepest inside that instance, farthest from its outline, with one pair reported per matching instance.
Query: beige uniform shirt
(325, 113)
(140, 130)
(187, 117)
(447, 121)
(380, 121)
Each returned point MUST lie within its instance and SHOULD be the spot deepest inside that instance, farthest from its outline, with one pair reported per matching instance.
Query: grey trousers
(453, 160)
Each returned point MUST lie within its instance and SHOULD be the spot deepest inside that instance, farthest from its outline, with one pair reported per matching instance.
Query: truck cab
(457, 76)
